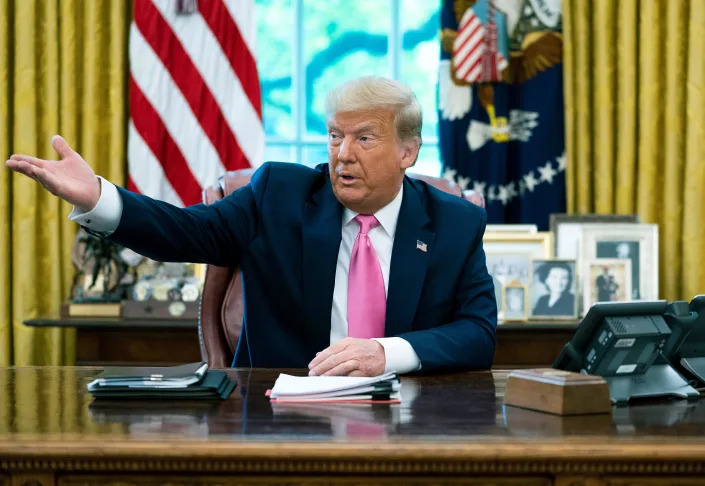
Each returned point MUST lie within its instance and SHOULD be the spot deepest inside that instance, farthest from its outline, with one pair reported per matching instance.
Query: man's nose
(345, 154)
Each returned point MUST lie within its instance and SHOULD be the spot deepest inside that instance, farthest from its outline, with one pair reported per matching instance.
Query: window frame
(301, 140)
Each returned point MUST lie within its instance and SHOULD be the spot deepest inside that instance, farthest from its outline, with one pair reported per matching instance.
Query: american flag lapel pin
(420, 245)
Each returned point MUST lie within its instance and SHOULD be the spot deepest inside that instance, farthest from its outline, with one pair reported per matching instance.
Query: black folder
(178, 382)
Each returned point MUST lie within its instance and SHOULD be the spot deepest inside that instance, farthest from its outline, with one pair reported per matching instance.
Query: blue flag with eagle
(500, 102)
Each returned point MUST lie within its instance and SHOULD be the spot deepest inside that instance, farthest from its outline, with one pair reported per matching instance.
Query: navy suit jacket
(284, 231)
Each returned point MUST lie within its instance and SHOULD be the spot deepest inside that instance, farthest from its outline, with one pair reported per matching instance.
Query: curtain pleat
(6, 34)
(675, 62)
(626, 113)
(635, 123)
(694, 173)
(603, 100)
(65, 74)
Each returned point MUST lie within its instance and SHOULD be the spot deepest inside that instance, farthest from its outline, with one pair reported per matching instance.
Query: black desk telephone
(642, 349)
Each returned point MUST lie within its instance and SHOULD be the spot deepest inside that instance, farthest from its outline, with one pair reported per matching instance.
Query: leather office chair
(222, 306)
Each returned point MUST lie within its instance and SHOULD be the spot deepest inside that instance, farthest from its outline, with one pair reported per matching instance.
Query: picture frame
(606, 280)
(511, 228)
(566, 229)
(505, 268)
(517, 249)
(515, 302)
(547, 300)
(638, 242)
(538, 245)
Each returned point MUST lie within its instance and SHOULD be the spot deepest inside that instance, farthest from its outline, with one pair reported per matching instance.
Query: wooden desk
(450, 429)
(112, 341)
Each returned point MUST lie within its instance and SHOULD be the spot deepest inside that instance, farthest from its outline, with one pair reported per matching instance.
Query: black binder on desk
(175, 382)
(127, 375)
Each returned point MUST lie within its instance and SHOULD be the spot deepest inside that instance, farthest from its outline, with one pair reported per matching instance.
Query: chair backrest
(222, 306)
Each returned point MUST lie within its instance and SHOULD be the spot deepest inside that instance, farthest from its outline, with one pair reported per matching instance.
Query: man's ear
(409, 152)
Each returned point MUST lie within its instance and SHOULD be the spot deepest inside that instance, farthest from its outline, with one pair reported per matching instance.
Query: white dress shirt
(399, 355)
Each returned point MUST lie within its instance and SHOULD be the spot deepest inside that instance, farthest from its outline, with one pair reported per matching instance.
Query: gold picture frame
(614, 282)
(515, 302)
(538, 245)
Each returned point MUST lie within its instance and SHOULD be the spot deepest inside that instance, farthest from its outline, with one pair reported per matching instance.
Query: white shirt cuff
(399, 355)
(104, 218)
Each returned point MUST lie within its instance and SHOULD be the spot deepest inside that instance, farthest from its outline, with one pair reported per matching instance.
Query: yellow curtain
(635, 123)
(63, 67)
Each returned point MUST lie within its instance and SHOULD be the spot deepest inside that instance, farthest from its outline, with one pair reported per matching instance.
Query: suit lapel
(409, 263)
(321, 233)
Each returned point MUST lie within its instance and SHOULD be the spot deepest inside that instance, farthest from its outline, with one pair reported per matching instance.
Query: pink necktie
(367, 300)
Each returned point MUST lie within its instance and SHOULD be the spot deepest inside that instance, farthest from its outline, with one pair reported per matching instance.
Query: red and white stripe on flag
(468, 47)
(475, 54)
(195, 105)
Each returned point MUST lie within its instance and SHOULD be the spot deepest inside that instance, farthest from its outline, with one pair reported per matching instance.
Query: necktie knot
(366, 222)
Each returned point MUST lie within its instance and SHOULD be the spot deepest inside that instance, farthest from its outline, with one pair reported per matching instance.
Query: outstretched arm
(215, 234)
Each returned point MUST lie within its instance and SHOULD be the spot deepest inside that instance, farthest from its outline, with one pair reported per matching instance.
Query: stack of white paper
(383, 388)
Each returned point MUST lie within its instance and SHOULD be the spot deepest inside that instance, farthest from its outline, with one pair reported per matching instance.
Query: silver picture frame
(566, 228)
(636, 242)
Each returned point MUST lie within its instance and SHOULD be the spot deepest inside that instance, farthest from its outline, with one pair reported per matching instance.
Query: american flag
(476, 56)
(195, 106)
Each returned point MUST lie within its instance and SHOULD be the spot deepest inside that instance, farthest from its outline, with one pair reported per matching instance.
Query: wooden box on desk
(557, 391)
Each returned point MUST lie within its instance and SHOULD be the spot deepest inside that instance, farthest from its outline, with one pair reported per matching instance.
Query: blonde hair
(373, 93)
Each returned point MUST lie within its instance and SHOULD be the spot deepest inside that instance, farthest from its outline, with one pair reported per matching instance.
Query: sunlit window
(306, 47)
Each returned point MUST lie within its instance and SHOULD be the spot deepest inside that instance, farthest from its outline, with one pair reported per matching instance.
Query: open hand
(350, 357)
(70, 178)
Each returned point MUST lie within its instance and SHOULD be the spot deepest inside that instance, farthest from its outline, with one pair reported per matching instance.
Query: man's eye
(364, 139)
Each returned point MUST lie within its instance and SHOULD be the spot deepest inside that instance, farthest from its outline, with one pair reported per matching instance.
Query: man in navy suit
(350, 268)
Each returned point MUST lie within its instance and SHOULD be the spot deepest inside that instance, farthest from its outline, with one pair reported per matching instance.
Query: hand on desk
(349, 357)
(70, 178)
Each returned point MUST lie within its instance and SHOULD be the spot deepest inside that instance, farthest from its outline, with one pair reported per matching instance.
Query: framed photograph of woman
(553, 290)
(607, 280)
(515, 302)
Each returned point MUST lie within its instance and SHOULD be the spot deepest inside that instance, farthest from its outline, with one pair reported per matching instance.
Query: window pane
(429, 161)
(420, 57)
(274, 64)
(314, 154)
(343, 39)
(279, 153)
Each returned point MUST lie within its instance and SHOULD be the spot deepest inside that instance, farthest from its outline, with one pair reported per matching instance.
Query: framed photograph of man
(607, 280)
(515, 302)
(553, 290)
(567, 228)
(636, 242)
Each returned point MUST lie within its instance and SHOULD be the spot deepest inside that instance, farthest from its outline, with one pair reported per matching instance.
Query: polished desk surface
(448, 424)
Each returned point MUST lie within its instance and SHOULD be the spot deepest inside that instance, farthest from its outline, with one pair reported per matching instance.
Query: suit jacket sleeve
(216, 234)
(468, 341)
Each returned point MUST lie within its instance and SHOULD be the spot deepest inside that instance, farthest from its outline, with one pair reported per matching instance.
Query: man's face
(622, 250)
(366, 159)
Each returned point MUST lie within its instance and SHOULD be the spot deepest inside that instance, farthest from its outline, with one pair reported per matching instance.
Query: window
(306, 47)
